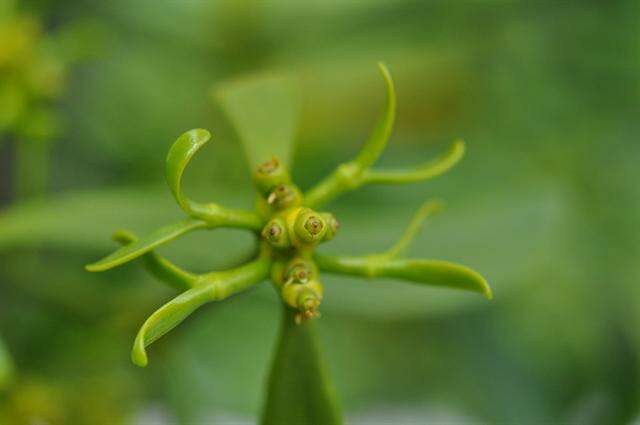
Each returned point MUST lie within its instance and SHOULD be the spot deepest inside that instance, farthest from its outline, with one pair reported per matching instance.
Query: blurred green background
(546, 205)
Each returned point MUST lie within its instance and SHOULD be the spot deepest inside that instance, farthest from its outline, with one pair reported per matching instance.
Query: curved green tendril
(181, 152)
(166, 318)
(179, 156)
(426, 171)
(377, 141)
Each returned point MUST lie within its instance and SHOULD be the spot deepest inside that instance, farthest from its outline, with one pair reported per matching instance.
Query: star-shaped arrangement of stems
(290, 225)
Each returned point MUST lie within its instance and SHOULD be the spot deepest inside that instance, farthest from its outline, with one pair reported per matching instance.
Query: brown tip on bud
(303, 316)
(310, 226)
(314, 225)
(269, 167)
(275, 233)
(310, 304)
(269, 175)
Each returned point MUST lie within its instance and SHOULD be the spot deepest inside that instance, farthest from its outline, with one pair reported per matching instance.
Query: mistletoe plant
(288, 225)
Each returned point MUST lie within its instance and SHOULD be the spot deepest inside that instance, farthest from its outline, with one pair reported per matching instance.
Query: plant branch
(298, 390)
(160, 267)
(214, 286)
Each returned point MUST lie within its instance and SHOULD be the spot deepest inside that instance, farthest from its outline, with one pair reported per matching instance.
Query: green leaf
(264, 111)
(166, 318)
(178, 158)
(146, 244)
(299, 391)
(438, 273)
(210, 287)
(429, 272)
(6, 366)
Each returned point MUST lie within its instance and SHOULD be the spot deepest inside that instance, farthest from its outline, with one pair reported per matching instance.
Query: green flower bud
(269, 175)
(284, 196)
(310, 226)
(299, 271)
(304, 297)
(332, 225)
(275, 232)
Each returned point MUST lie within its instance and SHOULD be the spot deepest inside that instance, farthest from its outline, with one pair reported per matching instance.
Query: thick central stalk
(298, 390)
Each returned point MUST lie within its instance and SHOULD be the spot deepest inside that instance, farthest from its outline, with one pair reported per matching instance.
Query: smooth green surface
(145, 244)
(299, 391)
(264, 111)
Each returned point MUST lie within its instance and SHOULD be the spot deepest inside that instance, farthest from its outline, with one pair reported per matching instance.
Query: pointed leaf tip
(145, 244)
(166, 318)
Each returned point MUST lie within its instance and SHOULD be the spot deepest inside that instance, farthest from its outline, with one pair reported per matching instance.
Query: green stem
(217, 216)
(163, 269)
(299, 391)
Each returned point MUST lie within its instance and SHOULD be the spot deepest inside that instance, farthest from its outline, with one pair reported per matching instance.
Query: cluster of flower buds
(298, 228)
(299, 287)
(292, 230)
